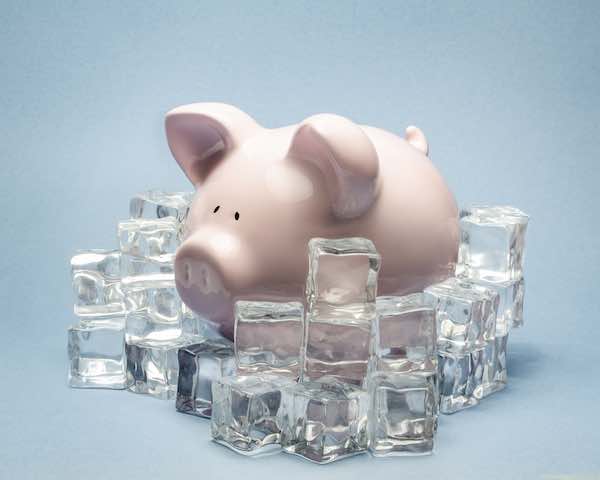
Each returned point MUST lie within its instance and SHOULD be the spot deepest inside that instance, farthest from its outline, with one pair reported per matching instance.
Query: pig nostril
(187, 273)
(204, 278)
(237, 215)
(216, 209)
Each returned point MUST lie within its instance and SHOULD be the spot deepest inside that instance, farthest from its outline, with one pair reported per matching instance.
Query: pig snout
(209, 265)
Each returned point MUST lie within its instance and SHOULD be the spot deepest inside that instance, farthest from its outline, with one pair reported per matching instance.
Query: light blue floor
(507, 94)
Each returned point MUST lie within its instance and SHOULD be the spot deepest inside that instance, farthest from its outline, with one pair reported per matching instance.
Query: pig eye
(237, 215)
(216, 209)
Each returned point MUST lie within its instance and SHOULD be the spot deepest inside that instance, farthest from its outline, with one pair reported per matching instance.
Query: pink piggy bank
(263, 193)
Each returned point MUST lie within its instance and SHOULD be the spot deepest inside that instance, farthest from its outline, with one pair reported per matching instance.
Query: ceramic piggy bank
(263, 193)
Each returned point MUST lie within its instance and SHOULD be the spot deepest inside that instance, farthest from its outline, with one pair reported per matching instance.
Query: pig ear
(345, 157)
(417, 139)
(200, 134)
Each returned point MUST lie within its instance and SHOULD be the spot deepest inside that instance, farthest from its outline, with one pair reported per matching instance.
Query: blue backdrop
(508, 96)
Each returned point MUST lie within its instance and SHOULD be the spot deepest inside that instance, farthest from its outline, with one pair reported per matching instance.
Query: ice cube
(324, 420)
(465, 313)
(245, 412)
(156, 292)
(96, 284)
(158, 204)
(268, 337)
(154, 309)
(488, 368)
(132, 266)
(342, 271)
(402, 414)
(143, 326)
(492, 243)
(152, 368)
(97, 355)
(199, 365)
(456, 382)
(405, 334)
(155, 240)
(341, 289)
(510, 308)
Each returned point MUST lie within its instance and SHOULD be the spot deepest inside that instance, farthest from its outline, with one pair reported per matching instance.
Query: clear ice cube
(492, 243)
(132, 266)
(97, 355)
(405, 334)
(510, 308)
(466, 314)
(155, 240)
(342, 271)
(489, 310)
(156, 292)
(403, 414)
(143, 326)
(152, 368)
(96, 284)
(268, 337)
(199, 366)
(158, 204)
(154, 309)
(324, 421)
(341, 289)
(245, 412)
(456, 382)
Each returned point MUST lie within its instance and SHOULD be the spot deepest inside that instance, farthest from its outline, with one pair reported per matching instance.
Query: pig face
(261, 195)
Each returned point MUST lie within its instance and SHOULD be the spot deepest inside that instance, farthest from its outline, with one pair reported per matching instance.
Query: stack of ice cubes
(351, 374)
(96, 344)
(301, 378)
(403, 387)
(338, 373)
(131, 320)
(479, 306)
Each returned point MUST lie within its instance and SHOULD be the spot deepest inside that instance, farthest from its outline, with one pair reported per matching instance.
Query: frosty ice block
(268, 337)
(324, 420)
(341, 288)
(201, 364)
(492, 242)
(96, 284)
(405, 334)
(402, 414)
(97, 355)
(245, 412)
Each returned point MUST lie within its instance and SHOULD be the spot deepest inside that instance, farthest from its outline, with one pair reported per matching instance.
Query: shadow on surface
(524, 359)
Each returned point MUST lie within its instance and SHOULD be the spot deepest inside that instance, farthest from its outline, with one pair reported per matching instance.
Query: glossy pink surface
(263, 193)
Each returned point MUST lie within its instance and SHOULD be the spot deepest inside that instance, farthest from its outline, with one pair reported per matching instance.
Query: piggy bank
(263, 193)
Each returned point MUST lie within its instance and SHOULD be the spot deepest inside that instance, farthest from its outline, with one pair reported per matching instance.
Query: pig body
(262, 194)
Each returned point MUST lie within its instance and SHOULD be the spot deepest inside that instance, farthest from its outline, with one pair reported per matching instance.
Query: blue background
(508, 96)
